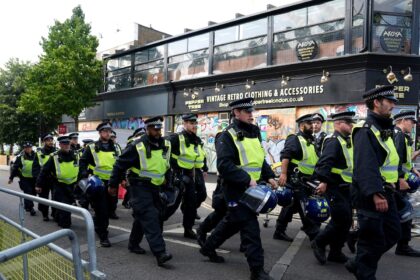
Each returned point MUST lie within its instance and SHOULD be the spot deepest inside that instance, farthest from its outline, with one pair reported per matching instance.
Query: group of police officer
(362, 167)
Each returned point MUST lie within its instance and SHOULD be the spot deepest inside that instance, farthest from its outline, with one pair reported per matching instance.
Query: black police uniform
(378, 232)
(26, 184)
(194, 189)
(62, 192)
(145, 197)
(400, 144)
(338, 194)
(102, 203)
(319, 139)
(238, 217)
(48, 186)
(293, 150)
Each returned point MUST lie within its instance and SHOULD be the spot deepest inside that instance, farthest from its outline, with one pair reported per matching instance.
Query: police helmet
(92, 185)
(169, 196)
(317, 208)
(260, 199)
(413, 182)
(406, 212)
(284, 196)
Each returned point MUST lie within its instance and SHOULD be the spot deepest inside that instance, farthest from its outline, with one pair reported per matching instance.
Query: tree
(66, 79)
(15, 126)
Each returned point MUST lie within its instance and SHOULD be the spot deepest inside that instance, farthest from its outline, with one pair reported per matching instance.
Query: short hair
(371, 103)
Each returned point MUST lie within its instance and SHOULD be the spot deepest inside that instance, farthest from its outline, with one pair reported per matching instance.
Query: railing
(90, 265)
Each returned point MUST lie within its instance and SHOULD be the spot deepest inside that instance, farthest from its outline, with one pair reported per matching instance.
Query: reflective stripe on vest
(408, 165)
(26, 167)
(346, 174)
(189, 157)
(66, 172)
(156, 166)
(309, 157)
(104, 162)
(251, 154)
(42, 160)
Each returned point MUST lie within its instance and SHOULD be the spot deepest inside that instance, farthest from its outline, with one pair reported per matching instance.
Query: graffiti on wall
(131, 123)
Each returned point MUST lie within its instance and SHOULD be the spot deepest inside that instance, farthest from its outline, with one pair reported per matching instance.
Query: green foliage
(66, 79)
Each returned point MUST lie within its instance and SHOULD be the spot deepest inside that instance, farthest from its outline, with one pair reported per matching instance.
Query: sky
(24, 22)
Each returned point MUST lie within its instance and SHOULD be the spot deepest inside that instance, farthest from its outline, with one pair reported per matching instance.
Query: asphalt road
(284, 260)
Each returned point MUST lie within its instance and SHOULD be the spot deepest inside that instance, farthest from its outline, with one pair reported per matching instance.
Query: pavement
(282, 259)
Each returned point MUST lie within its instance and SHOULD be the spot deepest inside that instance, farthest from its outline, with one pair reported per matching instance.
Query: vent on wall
(223, 116)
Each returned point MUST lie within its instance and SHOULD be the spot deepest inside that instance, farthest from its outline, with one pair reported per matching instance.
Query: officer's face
(307, 127)
(154, 133)
(244, 116)
(105, 134)
(65, 147)
(49, 142)
(28, 150)
(384, 107)
(317, 125)
(344, 127)
(190, 126)
(408, 125)
(74, 140)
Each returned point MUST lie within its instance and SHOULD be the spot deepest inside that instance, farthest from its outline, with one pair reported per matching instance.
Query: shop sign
(62, 129)
(392, 39)
(306, 50)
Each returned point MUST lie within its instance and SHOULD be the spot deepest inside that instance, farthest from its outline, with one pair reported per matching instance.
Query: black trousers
(100, 205)
(405, 229)
(194, 194)
(45, 193)
(63, 193)
(378, 232)
(240, 219)
(335, 233)
(27, 185)
(147, 209)
(220, 210)
(311, 228)
(127, 195)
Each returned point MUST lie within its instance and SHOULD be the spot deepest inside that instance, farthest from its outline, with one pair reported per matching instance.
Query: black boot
(281, 235)
(189, 233)
(260, 274)
(351, 241)
(337, 257)
(351, 267)
(163, 258)
(212, 255)
(113, 216)
(136, 249)
(406, 250)
(197, 217)
(32, 212)
(45, 218)
(105, 242)
(201, 237)
(319, 252)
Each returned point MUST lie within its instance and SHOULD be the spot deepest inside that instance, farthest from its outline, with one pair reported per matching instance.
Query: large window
(392, 25)
(188, 58)
(358, 21)
(148, 68)
(321, 25)
(118, 73)
(240, 47)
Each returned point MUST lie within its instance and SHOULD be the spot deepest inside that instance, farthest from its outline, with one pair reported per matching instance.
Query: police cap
(406, 115)
(113, 133)
(73, 135)
(104, 125)
(47, 136)
(318, 117)
(189, 117)
(346, 116)
(139, 131)
(246, 104)
(305, 118)
(27, 144)
(87, 141)
(383, 91)
(155, 122)
(63, 139)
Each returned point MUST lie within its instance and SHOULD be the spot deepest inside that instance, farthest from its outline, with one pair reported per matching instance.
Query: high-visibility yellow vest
(104, 162)
(408, 165)
(66, 172)
(309, 157)
(155, 167)
(389, 169)
(26, 170)
(189, 157)
(251, 154)
(347, 173)
(42, 158)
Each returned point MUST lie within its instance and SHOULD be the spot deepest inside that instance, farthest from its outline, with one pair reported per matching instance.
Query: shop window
(323, 31)
(189, 58)
(392, 26)
(148, 67)
(358, 22)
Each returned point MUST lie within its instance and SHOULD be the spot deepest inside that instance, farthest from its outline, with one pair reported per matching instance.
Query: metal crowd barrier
(46, 260)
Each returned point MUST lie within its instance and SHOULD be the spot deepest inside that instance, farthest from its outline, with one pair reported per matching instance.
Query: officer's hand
(282, 179)
(273, 183)
(416, 172)
(113, 191)
(205, 174)
(253, 183)
(10, 181)
(381, 204)
(403, 185)
(322, 187)
(38, 189)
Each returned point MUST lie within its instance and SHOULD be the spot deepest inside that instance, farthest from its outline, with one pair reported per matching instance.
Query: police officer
(188, 162)
(78, 192)
(375, 175)
(74, 142)
(334, 170)
(63, 166)
(22, 168)
(298, 159)
(319, 135)
(86, 142)
(404, 123)
(148, 161)
(114, 139)
(240, 163)
(42, 156)
(98, 159)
